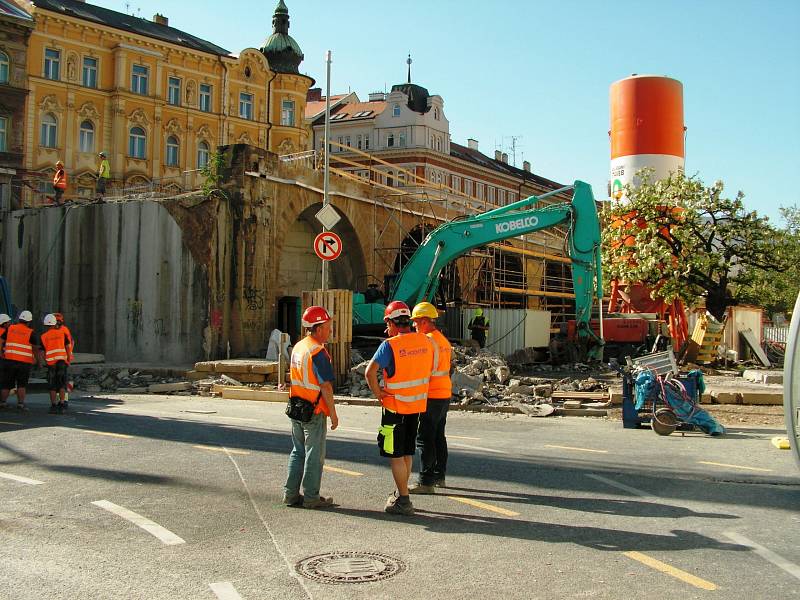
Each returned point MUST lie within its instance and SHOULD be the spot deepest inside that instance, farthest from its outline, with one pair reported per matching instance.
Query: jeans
(307, 457)
(432, 443)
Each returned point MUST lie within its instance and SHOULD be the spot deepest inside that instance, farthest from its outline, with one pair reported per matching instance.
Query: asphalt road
(177, 497)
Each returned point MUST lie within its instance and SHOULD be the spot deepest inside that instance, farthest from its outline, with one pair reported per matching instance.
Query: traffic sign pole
(325, 198)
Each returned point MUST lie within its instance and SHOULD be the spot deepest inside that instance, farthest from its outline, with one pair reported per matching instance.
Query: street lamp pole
(325, 198)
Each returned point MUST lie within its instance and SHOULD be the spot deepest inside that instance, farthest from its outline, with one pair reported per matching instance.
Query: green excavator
(419, 279)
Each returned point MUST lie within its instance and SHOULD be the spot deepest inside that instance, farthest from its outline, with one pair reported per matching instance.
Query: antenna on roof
(408, 62)
(127, 8)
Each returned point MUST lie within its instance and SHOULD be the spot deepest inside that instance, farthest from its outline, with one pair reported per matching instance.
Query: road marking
(670, 570)
(224, 590)
(475, 503)
(21, 479)
(151, 527)
(716, 464)
(289, 566)
(220, 449)
(479, 448)
(355, 430)
(10, 422)
(765, 553)
(462, 437)
(108, 433)
(621, 486)
(342, 471)
(576, 449)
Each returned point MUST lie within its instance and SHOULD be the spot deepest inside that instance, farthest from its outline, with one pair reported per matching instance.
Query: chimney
(160, 19)
(377, 97)
(314, 95)
(505, 158)
(498, 155)
(526, 166)
(472, 144)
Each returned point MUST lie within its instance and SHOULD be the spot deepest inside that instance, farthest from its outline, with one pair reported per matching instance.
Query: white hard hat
(26, 315)
(4, 318)
(49, 320)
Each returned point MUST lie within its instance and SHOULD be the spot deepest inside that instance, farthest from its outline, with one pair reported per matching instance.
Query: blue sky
(542, 70)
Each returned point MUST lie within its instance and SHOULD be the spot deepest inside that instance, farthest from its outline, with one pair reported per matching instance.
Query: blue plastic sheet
(649, 389)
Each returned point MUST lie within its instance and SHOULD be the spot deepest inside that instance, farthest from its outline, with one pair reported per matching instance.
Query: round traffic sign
(328, 245)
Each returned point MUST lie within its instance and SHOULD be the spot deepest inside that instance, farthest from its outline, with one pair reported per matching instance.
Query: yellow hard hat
(424, 309)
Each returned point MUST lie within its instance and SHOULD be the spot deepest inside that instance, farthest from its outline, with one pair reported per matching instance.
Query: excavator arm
(419, 279)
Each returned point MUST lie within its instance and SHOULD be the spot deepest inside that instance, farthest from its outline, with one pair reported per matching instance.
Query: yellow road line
(716, 464)
(475, 503)
(220, 449)
(342, 471)
(576, 449)
(672, 571)
(116, 435)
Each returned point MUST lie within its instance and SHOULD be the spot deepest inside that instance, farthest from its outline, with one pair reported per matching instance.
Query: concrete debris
(230, 380)
(103, 379)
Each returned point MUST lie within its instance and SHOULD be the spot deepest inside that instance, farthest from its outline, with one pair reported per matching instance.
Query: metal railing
(776, 334)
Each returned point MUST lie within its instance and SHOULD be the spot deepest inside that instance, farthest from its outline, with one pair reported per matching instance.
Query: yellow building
(155, 99)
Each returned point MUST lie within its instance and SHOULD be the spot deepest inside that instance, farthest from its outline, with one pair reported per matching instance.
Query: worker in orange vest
(19, 346)
(5, 322)
(70, 354)
(310, 404)
(59, 182)
(406, 359)
(431, 439)
(55, 352)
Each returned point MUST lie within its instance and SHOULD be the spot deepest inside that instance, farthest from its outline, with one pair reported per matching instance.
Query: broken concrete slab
(463, 381)
(84, 358)
(750, 397)
(724, 396)
(160, 388)
(763, 376)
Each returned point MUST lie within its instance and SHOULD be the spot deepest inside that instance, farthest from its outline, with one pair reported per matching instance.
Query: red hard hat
(396, 310)
(314, 315)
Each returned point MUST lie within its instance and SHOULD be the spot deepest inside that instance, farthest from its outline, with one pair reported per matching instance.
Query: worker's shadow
(604, 506)
(597, 538)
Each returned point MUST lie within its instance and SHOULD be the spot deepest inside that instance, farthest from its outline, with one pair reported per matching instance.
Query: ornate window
(174, 92)
(172, 151)
(396, 110)
(139, 76)
(137, 143)
(3, 134)
(287, 113)
(52, 64)
(89, 72)
(5, 67)
(205, 97)
(48, 137)
(202, 155)
(86, 137)
(246, 106)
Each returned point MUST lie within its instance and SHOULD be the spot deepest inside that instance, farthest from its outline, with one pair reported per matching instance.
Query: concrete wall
(120, 273)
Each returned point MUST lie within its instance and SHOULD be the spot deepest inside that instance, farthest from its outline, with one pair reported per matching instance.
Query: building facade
(155, 99)
(15, 29)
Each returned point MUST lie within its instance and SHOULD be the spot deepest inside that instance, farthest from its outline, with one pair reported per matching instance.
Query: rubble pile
(125, 380)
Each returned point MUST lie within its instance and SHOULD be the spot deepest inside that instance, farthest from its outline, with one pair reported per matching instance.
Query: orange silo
(647, 129)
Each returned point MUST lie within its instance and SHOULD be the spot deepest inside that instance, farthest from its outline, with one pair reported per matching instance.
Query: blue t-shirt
(323, 369)
(385, 358)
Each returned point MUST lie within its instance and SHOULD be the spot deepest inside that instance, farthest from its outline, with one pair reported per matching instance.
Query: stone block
(615, 396)
(160, 388)
(749, 397)
(725, 397)
(463, 381)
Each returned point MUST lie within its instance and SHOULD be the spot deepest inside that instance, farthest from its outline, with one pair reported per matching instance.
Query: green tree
(686, 240)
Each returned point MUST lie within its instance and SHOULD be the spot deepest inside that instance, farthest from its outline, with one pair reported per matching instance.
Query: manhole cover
(349, 567)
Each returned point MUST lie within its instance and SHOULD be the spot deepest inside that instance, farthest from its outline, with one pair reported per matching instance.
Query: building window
(347, 141)
(501, 197)
(436, 112)
(401, 179)
(49, 131)
(359, 142)
(439, 177)
(468, 187)
(205, 97)
(137, 143)
(479, 191)
(89, 72)
(390, 178)
(287, 113)
(5, 67)
(52, 64)
(339, 147)
(366, 142)
(172, 151)
(174, 91)
(86, 137)
(3, 134)
(202, 155)
(401, 140)
(246, 106)
(512, 197)
(490, 193)
(439, 144)
(396, 110)
(139, 79)
(390, 141)
(456, 183)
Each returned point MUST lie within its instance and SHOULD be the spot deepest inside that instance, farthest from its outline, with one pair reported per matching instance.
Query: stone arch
(449, 289)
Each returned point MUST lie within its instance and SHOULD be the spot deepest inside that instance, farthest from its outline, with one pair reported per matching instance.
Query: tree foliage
(686, 240)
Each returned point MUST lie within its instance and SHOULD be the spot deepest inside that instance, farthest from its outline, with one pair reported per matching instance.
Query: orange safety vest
(440, 387)
(305, 384)
(60, 179)
(18, 344)
(70, 339)
(413, 363)
(54, 343)
(3, 329)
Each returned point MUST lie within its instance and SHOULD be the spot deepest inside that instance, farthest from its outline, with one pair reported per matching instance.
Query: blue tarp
(648, 389)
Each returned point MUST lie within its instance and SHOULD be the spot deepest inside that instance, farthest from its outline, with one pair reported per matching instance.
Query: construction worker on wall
(406, 359)
(431, 439)
(59, 182)
(478, 327)
(19, 345)
(312, 381)
(5, 321)
(55, 352)
(103, 175)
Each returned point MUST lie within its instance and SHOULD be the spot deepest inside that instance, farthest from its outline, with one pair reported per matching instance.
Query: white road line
(621, 486)
(151, 527)
(462, 437)
(479, 448)
(224, 590)
(765, 553)
(19, 479)
(266, 526)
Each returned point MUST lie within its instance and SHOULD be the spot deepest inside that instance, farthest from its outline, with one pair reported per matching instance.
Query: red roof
(314, 108)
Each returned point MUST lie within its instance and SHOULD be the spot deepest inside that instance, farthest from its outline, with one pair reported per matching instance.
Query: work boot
(65, 404)
(293, 499)
(394, 506)
(440, 482)
(60, 408)
(53, 409)
(21, 407)
(421, 488)
(321, 502)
